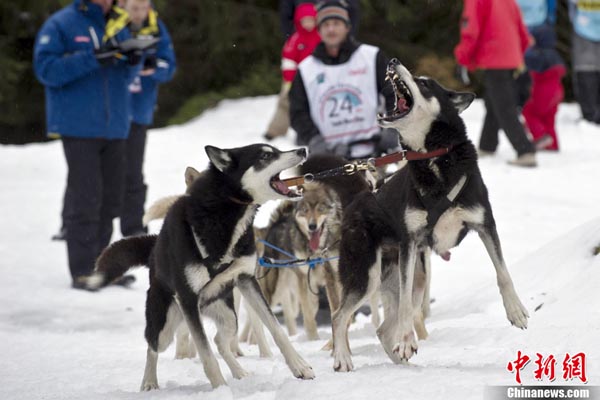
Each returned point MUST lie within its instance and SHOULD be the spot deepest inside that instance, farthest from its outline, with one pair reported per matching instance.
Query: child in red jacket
(299, 46)
(547, 70)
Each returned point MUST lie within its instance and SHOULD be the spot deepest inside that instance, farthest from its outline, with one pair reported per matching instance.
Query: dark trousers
(587, 92)
(502, 112)
(92, 198)
(132, 211)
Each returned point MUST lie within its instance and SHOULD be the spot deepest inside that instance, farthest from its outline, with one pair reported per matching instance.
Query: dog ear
(461, 100)
(219, 157)
(191, 174)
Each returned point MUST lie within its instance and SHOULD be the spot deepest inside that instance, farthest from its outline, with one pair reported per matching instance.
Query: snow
(59, 343)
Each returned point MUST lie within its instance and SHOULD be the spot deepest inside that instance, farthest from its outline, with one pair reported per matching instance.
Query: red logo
(82, 39)
(573, 367)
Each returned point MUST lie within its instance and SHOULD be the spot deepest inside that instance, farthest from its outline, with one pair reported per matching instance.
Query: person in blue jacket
(86, 80)
(585, 45)
(158, 67)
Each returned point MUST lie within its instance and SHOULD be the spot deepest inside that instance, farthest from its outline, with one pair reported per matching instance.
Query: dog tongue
(281, 187)
(401, 105)
(315, 240)
(445, 256)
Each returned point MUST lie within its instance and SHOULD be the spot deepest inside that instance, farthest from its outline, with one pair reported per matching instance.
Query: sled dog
(205, 249)
(430, 203)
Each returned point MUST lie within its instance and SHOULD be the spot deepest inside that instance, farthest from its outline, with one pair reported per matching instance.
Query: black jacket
(300, 117)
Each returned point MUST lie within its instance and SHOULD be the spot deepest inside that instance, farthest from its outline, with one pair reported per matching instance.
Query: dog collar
(238, 201)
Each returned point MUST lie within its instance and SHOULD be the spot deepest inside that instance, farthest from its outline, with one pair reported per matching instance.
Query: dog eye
(266, 156)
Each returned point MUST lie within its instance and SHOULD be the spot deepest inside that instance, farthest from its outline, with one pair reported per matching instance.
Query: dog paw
(240, 373)
(406, 347)
(301, 369)
(516, 313)
(148, 386)
(312, 336)
(328, 346)
(237, 352)
(342, 362)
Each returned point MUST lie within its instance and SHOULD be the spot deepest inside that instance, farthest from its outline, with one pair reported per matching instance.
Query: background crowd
(101, 61)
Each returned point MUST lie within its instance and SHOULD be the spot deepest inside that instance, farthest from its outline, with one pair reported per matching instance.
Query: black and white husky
(204, 249)
(430, 203)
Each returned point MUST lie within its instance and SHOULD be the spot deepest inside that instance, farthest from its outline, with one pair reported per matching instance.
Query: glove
(317, 145)
(150, 62)
(462, 75)
(106, 55)
(134, 57)
(340, 149)
(388, 140)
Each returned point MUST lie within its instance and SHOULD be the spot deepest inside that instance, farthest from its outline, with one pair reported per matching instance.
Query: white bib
(343, 98)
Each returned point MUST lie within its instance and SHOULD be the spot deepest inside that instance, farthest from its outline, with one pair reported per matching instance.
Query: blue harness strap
(291, 263)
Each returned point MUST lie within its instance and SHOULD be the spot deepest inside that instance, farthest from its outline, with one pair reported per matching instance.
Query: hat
(329, 9)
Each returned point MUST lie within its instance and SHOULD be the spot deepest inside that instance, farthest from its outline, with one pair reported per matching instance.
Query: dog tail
(119, 257)
(159, 209)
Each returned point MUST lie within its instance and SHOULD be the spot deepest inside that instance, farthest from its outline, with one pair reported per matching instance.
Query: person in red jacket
(547, 70)
(493, 38)
(300, 45)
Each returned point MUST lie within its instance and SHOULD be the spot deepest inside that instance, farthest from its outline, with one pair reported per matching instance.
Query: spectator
(494, 39)
(334, 97)
(158, 67)
(547, 69)
(585, 17)
(86, 82)
(287, 11)
(299, 46)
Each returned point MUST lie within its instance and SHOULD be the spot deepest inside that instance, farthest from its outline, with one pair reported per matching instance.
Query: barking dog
(204, 249)
(429, 203)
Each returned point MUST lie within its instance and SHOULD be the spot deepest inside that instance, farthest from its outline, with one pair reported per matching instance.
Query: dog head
(316, 212)
(415, 103)
(254, 170)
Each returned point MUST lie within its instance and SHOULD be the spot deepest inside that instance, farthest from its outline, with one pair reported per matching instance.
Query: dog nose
(302, 152)
(312, 227)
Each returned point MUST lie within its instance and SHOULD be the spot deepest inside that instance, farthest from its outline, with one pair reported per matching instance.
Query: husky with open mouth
(205, 249)
(429, 204)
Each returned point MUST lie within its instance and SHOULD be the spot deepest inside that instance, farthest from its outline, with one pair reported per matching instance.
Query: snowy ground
(59, 343)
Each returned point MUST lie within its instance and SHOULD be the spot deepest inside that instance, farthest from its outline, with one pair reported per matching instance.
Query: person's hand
(147, 72)
(317, 145)
(462, 74)
(106, 55)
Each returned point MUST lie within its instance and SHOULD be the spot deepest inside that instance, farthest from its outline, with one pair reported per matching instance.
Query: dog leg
(374, 303)
(162, 319)
(332, 289)
(191, 312)
(251, 291)
(222, 312)
(426, 294)
(235, 344)
(257, 333)
(150, 380)
(287, 293)
(309, 303)
(515, 311)
(419, 285)
(390, 298)
(407, 344)
(184, 347)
